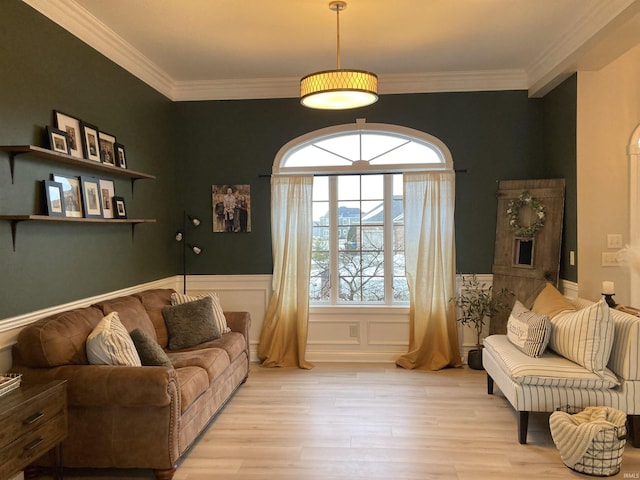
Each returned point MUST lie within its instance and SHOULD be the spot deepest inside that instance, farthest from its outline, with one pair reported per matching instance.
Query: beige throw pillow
(110, 344)
(551, 302)
(218, 313)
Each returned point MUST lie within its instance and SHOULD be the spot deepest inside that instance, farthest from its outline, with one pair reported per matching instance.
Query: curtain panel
(429, 201)
(283, 339)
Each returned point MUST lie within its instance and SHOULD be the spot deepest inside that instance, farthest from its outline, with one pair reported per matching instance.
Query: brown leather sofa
(133, 417)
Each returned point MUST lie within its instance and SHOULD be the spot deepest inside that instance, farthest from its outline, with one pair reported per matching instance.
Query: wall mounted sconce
(181, 236)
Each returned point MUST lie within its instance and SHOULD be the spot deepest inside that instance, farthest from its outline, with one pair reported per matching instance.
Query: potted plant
(476, 302)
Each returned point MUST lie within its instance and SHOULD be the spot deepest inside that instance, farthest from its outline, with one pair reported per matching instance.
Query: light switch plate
(614, 240)
(610, 259)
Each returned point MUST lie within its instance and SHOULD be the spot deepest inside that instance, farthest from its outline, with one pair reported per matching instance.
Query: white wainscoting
(335, 334)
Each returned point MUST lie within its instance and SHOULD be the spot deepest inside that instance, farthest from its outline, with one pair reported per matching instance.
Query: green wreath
(513, 214)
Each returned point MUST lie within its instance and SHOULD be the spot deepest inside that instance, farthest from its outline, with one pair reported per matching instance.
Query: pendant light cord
(338, 8)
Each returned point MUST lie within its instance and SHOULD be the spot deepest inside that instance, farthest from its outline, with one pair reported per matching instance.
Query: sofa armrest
(106, 385)
(239, 322)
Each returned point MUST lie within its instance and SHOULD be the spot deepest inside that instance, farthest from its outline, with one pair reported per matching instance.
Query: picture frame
(58, 140)
(119, 208)
(231, 208)
(54, 198)
(71, 196)
(106, 197)
(107, 148)
(121, 160)
(90, 145)
(71, 125)
(91, 197)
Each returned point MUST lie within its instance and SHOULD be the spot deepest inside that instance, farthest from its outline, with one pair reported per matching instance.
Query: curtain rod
(268, 175)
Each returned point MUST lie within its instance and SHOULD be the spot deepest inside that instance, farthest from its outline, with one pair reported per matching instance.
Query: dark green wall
(491, 135)
(45, 68)
(191, 146)
(560, 117)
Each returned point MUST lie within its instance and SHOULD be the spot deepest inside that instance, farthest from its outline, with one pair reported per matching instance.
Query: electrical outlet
(614, 240)
(610, 259)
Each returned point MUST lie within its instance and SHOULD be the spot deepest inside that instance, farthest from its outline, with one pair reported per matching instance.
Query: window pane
(349, 187)
(311, 156)
(347, 146)
(373, 289)
(320, 188)
(409, 153)
(373, 212)
(400, 289)
(373, 238)
(372, 187)
(350, 289)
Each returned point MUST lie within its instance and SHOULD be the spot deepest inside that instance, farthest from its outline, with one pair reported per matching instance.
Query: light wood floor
(370, 422)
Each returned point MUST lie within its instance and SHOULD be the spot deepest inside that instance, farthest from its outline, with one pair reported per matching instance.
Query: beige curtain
(283, 339)
(429, 199)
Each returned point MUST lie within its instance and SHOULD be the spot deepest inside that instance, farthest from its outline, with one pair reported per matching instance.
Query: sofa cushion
(550, 302)
(218, 313)
(57, 340)
(150, 352)
(550, 369)
(110, 344)
(130, 312)
(193, 382)
(528, 331)
(154, 301)
(214, 361)
(233, 343)
(584, 336)
(190, 323)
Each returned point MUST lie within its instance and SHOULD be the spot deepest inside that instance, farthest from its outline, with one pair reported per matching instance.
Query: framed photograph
(71, 125)
(107, 148)
(53, 194)
(58, 140)
(71, 196)
(231, 208)
(106, 197)
(121, 160)
(90, 146)
(119, 210)
(91, 197)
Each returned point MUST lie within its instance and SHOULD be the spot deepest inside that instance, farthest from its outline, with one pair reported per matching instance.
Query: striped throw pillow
(528, 331)
(584, 336)
(109, 343)
(218, 313)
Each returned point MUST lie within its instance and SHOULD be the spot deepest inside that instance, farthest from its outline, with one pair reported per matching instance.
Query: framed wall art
(121, 160)
(107, 148)
(119, 209)
(71, 196)
(106, 197)
(53, 195)
(90, 145)
(58, 140)
(71, 125)
(91, 197)
(231, 208)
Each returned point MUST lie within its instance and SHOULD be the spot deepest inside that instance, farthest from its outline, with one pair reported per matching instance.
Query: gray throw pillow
(151, 354)
(190, 324)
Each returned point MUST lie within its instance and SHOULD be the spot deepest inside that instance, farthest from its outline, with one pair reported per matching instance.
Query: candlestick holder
(608, 297)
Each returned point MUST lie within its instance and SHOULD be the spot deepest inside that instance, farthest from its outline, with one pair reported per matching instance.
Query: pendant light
(338, 89)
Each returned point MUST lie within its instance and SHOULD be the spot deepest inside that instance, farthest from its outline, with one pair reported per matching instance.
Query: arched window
(358, 218)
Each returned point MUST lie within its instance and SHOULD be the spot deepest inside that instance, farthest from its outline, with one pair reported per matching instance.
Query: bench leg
(489, 384)
(523, 424)
(634, 429)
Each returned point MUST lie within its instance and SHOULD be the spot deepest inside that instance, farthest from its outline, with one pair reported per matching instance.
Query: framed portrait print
(106, 197)
(231, 208)
(119, 210)
(53, 195)
(107, 148)
(91, 197)
(90, 145)
(58, 140)
(71, 196)
(71, 125)
(121, 160)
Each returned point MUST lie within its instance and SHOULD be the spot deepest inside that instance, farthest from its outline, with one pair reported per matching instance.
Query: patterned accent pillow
(218, 313)
(190, 324)
(150, 352)
(110, 344)
(584, 336)
(528, 331)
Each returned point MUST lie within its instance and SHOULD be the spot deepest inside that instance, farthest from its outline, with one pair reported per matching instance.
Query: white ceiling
(232, 49)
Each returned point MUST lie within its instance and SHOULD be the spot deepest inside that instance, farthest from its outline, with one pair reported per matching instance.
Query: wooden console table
(33, 421)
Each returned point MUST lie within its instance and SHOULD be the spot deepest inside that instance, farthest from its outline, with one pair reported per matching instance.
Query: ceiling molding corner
(83, 25)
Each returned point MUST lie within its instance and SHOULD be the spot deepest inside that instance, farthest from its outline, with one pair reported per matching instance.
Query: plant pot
(474, 359)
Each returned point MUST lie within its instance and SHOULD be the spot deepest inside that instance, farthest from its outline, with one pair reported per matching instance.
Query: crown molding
(560, 60)
(82, 24)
